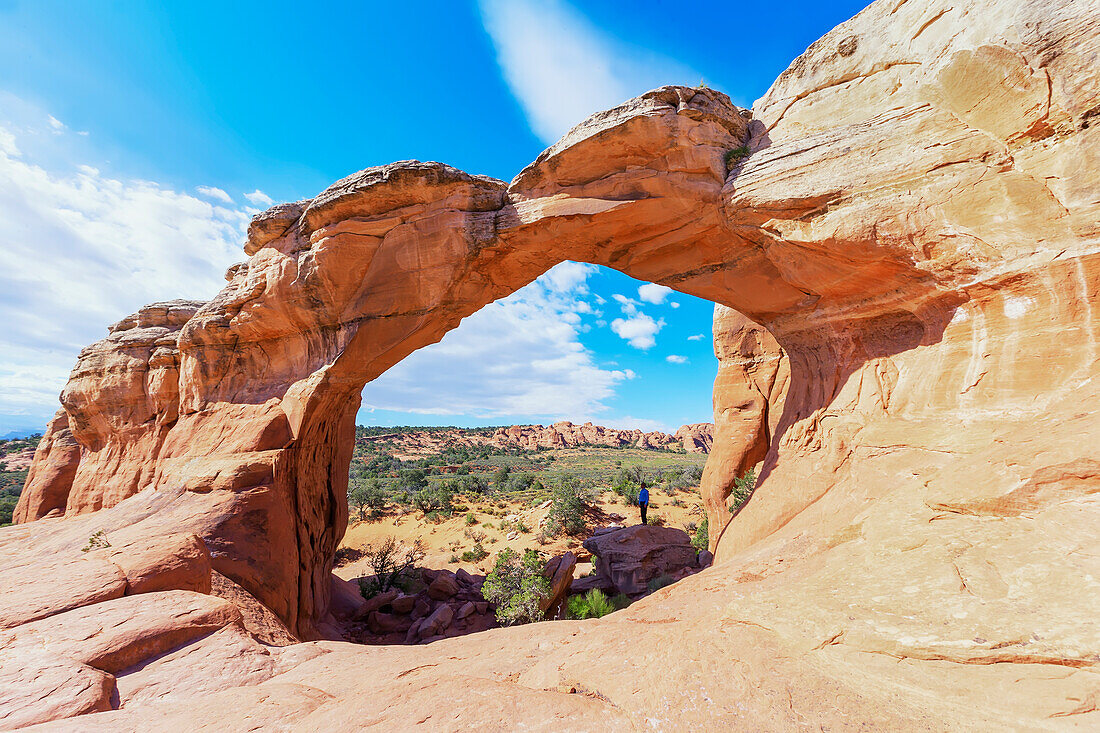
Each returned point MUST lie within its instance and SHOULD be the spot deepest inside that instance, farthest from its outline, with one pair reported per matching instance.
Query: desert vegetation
(13, 472)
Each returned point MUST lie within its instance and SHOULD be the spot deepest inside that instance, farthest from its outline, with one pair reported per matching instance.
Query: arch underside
(905, 279)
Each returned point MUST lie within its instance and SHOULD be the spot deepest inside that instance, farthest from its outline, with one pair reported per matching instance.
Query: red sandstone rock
(915, 227)
(631, 557)
(46, 588)
(121, 632)
(444, 586)
(172, 562)
(559, 571)
(59, 688)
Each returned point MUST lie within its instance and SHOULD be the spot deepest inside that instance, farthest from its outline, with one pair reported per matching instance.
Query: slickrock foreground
(906, 267)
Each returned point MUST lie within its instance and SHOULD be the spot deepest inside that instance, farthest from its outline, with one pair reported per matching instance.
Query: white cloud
(56, 125)
(79, 250)
(676, 359)
(674, 304)
(696, 337)
(259, 198)
(639, 331)
(562, 68)
(653, 293)
(518, 357)
(629, 306)
(215, 193)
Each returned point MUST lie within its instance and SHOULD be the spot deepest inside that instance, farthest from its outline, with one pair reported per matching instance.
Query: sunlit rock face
(905, 267)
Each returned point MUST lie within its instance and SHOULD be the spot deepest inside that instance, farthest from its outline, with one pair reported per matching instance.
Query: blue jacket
(643, 496)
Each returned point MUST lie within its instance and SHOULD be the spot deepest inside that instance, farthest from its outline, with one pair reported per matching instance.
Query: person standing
(643, 499)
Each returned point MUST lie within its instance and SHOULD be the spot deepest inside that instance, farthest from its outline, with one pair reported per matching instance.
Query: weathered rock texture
(917, 228)
(630, 557)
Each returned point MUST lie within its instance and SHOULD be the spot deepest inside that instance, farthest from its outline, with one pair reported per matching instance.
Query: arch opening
(249, 423)
(589, 377)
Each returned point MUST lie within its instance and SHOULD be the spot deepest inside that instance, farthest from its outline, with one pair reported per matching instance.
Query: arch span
(843, 240)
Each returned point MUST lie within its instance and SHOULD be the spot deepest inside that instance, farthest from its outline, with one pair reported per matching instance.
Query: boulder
(443, 587)
(559, 571)
(421, 608)
(466, 609)
(378, 601)
(383, 623)
(437, 623)
(403, 604)
(629, 558)
(705, 559)
(347, 600)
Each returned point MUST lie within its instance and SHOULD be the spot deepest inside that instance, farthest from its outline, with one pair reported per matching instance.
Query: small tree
(742, 490)
(389, 561)
(516, 586)
(366, 494)
(567, 507)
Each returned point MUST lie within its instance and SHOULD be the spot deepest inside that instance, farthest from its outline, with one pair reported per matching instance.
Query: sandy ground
(450, 538)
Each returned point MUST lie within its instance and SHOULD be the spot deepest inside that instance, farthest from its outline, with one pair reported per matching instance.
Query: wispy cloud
(519, 356)
(696, 337)
(259, 198)
(215, 193)
(79, 249)
(561, 68)
(676, 359)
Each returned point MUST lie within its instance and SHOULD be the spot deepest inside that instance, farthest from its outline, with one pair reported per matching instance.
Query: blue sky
(136, 139)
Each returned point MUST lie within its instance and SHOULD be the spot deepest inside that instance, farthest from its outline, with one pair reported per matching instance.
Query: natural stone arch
(340, 288)
(922, 532)
(837, 235)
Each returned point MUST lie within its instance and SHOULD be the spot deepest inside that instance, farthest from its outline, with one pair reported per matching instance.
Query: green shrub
(742, 490)
(621, 601)
(593, 604)
(436, 498)
(96, 541)
(516, 586)
(476, 554)
(736, 155)
(628, 483)
(471, 520)
(701, 539)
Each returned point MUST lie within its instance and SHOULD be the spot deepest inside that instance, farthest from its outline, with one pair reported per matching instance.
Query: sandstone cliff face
(911, 253)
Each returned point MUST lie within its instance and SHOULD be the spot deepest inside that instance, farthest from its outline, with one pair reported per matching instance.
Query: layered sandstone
(911, 253)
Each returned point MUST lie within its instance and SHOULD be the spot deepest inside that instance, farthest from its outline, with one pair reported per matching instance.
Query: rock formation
(628, 558)
(695, 438)
(916, 227)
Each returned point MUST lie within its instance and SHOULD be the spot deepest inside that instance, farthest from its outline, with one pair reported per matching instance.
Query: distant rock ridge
(696, 438)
